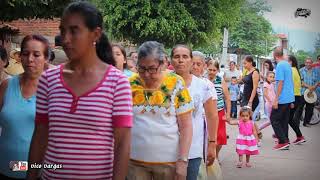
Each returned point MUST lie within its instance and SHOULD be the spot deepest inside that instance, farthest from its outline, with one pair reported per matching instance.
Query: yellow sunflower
(138, 98)
(185, 94)
(170, 82)
(136, 87)
(157, 98)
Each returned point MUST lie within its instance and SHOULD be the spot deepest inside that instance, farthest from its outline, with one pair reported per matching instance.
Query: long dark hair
(93, 19)
(270, 64)
(294, 63)
(123, 51)
(249, 59)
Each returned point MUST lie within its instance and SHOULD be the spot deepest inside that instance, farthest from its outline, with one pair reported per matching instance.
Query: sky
(301, 31)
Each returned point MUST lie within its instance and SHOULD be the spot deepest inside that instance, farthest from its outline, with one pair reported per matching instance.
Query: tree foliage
(253, 33)
(193, 22)
(16, 9)
(301, 56)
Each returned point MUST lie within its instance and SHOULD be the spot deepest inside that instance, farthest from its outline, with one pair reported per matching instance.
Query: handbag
(212, 172)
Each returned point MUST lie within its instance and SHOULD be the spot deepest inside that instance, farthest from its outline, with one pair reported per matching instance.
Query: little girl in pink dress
(269, 96)
(247, 137)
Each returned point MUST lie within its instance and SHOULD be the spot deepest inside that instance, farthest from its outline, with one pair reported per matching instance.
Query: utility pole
(224, 47)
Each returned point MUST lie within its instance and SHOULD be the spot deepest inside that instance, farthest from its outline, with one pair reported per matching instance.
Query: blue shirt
(17, 122)
(284, 73)
(128, 73)
(309, 77)
(234, 91)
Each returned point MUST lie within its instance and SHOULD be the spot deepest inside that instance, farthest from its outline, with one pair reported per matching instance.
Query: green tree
(16, 9)
(253, 33)
(196, 22)
(301, 55)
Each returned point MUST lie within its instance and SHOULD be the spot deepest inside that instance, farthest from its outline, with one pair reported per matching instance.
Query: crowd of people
(101, 114)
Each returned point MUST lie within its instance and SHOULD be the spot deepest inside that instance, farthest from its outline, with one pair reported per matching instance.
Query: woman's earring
(94, 43)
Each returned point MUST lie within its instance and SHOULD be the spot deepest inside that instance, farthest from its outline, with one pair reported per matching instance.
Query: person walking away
(284, 97)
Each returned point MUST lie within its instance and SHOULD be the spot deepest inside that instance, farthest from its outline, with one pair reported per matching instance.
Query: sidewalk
(301, 162)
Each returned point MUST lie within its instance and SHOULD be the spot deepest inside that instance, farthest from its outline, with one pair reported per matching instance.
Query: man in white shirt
(231, 72)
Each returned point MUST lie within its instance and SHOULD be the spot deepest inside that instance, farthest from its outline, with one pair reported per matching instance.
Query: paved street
(301, 162)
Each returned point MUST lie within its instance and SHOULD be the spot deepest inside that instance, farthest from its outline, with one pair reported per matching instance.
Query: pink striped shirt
(81, 128)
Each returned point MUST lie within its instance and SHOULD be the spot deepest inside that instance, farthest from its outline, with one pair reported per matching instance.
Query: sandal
(248, 165)
(239, 165)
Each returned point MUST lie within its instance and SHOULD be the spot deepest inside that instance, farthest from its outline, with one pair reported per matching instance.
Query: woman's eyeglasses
(149, 70)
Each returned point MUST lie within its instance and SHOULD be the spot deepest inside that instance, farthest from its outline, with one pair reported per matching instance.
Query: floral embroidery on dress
(171, 95)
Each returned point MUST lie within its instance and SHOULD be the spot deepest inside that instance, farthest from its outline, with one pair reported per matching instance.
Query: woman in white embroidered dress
(162, 129)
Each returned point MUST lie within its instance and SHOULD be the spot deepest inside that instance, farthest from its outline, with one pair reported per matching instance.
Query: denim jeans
(256, 112)
(193, 168)
(234, 109)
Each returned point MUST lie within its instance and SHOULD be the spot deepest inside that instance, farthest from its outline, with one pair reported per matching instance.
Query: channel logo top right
(300, 12)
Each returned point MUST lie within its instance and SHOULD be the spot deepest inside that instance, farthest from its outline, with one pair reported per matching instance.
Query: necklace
(146, 95)
(147, 108)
